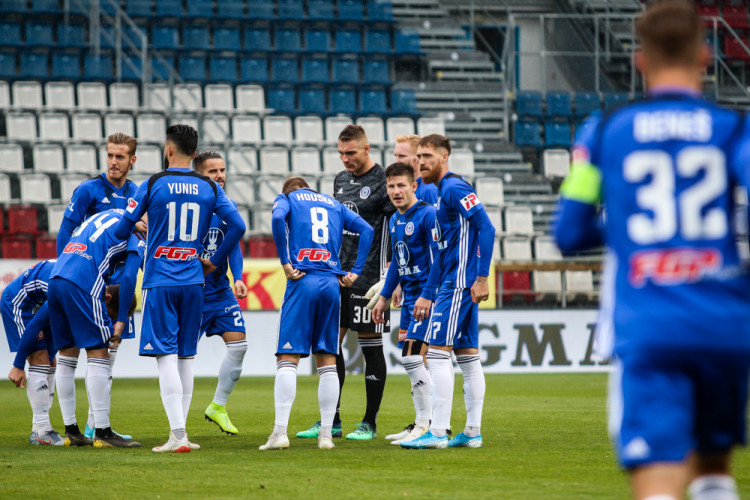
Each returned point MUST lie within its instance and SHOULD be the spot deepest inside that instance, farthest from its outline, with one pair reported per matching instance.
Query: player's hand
(422, 309)
(379, 310)
(240, 289)
(116, 338)
(396, 297)
(292, 273)
(17, 376)
(348, 280)
(141, 229)
(208, 267)
(480, 290)
(373, 293)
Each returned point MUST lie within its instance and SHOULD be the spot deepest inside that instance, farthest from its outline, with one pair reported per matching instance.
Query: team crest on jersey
(469, 201)
(409, 229)
(211, 243)
(364, 193)
(351, 206)
(131, 205)
(402, 254)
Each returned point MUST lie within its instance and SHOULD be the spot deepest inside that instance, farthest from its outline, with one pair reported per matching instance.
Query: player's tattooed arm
(480, 290)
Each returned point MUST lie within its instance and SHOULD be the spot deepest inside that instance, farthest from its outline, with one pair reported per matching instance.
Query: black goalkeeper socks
(375, 374)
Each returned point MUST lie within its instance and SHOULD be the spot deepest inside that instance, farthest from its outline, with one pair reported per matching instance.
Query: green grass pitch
(544, 438)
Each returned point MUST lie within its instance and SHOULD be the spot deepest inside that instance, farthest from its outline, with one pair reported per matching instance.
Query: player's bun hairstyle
(670, 32)
(204, 156)
(114, 291)
(412, 139)
(397, 169)
(122, 138)
(353, 133)
(293, 184)
(184, 137)
(436, 141)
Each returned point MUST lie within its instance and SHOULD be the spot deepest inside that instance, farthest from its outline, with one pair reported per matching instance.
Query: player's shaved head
(184, 138)
(353, 133)
(670, 32)
(400, 169)
(436, 141)
(293, 184)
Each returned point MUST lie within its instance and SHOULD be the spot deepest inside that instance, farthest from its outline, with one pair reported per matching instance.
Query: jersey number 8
(319, 219)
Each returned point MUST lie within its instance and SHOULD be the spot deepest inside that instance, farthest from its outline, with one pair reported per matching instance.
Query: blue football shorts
(454, 320)
(16, 314)
(410, 328)
(221, 314)
(77, 319)
(171, 320)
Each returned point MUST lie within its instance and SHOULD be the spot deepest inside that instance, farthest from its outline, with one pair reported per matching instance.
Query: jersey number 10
(185, 209)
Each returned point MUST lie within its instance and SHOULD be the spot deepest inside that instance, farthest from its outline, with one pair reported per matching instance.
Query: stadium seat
(254, 69)
(118, 122)
(250, 99)
(518, 220)
(547, 282)
(516, 287)
(123, 96)
(219, 98)
(8, 68)
(71, 35)
(312, 100)
(55, 215)
(131, 66)
(351, 10)
(372, 101)
(322, 10)
(192, 68)
(308, 129)
(291, 9)
(162, 66)
(398, 126)
(81, 158)
(246, 129)
(164, 36)
(376, 70)
(20, 126)
(342, 99)
(5, 194)
(262, 247)
(374, 129)
(185, 119)
(66, 65)
(54, 127)
(406, 42)
(306, 162)
(529, 103)
(39, 34)
(16, 247)
(11, 158)
(528, 133)
(150, 159)
(92, 96)
(215, 129)
(427, 126)
(378, 41)
(333, 127)
(4, 95)
(346, 70)
(579, 285)
(516, 248)
(557, 134)
(195, 37)
(10, 33)
(587, 103)
(315, 70)
(35, 188)
(187, 97)
(331, 161)
(317, 39)
(199, 8)
(556, 163)
(348, 40)
(242, 161)
(157, 97)
(169, 8)
(736, 16)
(223, 69)
(257, 38)
(227, 37)
(139, 8)
(285, 69)
(151, 127)
(287, 39)
(68, 184)
(45, 247)
(87, 127)
(274, 160)
(403, 101)
(559, 103)
(262, 225)
(733, 48)
(59, 95)
(489, 189)
(614, 99)
(268, 188)
(97, 66)
(240, 188)
(461, 161)
(281, 99)
(230, 9)
(380, 10)
(27, 95)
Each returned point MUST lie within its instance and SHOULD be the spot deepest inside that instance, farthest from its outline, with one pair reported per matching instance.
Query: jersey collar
(674, 90)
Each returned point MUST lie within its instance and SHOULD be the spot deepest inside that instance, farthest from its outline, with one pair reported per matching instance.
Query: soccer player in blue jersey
(76, 298)
(222, 315)
(308, 231)
(405, 151)
(414, 248)
(667, 168)
(180, 204)
(465, 237)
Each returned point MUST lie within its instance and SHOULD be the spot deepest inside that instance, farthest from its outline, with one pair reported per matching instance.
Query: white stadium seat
(81, 158)
(54, 127)
(374, 129)
(87, 127)
(11, 158)
(187, 97)
(219, 98)
(398, 126)
(274, 160)
(151, 127)
(59, 95)
(158, 97)
(27, 95)
(21, 126)
(35, 188)
(118, 122)
(308, 130)
(123, 96)
(246, 129)
(250, 99)
(48, 158)
(277, 130)
(334, 126)
(92, 96)
(306, 161)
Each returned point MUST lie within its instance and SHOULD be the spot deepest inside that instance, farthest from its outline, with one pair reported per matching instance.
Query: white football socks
(51, 384)
(420, 388)
(38, 393)
(714, 487)
(171, 390)
(230, 370)
(474, 388)
(328, 396)
(97, 387)
(66, 387)
(185, 368)
(284, 392)
(441, 371)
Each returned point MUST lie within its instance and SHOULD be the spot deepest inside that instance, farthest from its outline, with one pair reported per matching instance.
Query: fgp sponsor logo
(78, 249)
(131, 205)
(313, 255)
(469, 201)
(673, 267)
(175, 253)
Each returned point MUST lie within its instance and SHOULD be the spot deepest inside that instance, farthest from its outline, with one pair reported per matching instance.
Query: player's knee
(412, 348)
(237, 349)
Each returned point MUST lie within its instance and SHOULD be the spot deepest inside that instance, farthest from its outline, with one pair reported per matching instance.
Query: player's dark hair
(184, 137)
(114, 291)
(670, 32)
(398, 169)
(436, 141)
(293, 184)
(204, 156)
(122, 138)
(353, 133)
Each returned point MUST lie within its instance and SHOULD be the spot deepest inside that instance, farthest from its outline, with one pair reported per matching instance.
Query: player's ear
(107, 298)
(414, 187)
(640, 61)
(132, 160)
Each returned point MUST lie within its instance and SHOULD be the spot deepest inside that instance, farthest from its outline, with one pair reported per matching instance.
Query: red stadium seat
(736, 16)
(516, 286)
(733, 49)
(16, 247)
(2, 220)
(243, 248)
(262, 247)
(708, 9)
(46, 247)
(22, 219)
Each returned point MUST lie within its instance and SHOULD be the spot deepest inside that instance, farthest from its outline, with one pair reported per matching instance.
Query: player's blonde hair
(412, 139)
(123, 138)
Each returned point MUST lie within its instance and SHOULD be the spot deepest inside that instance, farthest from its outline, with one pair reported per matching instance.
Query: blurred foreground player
(666, 168)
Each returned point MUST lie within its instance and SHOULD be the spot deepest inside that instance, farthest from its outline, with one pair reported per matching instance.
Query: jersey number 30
(658, 196)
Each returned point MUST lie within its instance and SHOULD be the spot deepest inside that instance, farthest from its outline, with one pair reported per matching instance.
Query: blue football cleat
(427, 441)
(464, 441)
(89, 433)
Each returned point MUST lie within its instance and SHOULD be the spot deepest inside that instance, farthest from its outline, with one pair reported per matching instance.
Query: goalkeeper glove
(374, 293)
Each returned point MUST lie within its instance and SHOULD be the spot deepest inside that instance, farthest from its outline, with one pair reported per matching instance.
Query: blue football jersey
(97, 195)
(314, 225)
(118, 265)
(457, 241)
(29, 290)
(91, 253)
(414, 247)
(180, 204)
(217, 281)
(426, 192)
(666, 169)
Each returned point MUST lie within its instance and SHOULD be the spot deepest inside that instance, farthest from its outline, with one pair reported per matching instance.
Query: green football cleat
(218, 415)
(313, 431)
(363, 432)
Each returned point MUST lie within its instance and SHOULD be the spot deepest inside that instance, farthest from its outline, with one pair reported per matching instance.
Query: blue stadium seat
(14, 6)
(587, 103)
(380, 10)
(260, 10)
(285, 69)
(348, 40)
(403, 101)
(7, 64)
(528, 133)
(97, 66)
(351, 10)
(372, 101)
(346, 70)
(378, 41)
(133, 36)
(44, 6)
(529, 103)
(257, 38)
(107, 8)
(33, 64)
(557, 134)
(320, 10)
(407, 42)
(614, 99)
(342, 100)
(254, 69)
(376, 71)
(227, 37)
(312, 100)
(559, 103)
(139, 8)
(229, 9)
(287, 39)
(317, 40)
(134, 72)
(199, 8)
(315, 69)
(291, 9)
(107, 37)
(223, 69)
(165, 37)
(39, 34)
(196, 36)
(76, 9)
(10, 34)
(281, 99)
(160, 70)
(66, 65)
(168, 8)
(71, 35)
(192, 68)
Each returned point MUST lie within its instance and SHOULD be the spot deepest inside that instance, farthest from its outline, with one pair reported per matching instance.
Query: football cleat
(275, 443)
(463, 441)
(325, 444)
(107, 438)
(173, 445)
(426, 441)
(402, 434)
(363, 432)
(89, 433)
(49, 438)
(77, 439)
(313, 431)
(417, 431)
(218, 414)
(194, 446)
